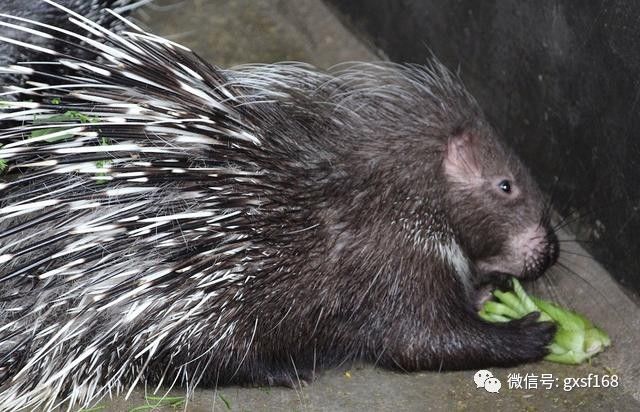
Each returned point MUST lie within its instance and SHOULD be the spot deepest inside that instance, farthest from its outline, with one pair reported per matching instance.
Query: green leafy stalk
(225, 400)
(576, 340)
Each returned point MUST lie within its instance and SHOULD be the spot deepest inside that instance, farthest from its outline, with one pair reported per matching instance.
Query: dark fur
(353, 284)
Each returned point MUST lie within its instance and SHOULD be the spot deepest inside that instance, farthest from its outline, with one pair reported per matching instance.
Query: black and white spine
(147, 199)
(122, 178)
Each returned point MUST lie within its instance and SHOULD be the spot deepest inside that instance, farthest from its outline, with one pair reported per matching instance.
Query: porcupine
(49, 14)
(165, 220)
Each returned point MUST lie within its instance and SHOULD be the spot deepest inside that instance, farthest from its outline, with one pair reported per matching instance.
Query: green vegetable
(576, 338)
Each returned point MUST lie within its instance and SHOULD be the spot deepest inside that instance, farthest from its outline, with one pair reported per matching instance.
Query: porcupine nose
(542, 251)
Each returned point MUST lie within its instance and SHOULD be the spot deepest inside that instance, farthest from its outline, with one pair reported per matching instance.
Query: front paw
(531, 338)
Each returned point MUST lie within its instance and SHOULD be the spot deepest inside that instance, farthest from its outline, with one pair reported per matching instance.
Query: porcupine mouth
(491, 281)
(535, 266)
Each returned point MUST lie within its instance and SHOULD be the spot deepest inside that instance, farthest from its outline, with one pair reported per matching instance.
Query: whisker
(591, 286)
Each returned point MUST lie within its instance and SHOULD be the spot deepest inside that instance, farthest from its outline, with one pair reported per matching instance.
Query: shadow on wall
(559, 80)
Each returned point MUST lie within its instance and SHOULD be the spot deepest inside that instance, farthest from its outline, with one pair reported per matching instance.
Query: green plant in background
(3, 164)
(576, 339)
(225, 400)
(68, 116)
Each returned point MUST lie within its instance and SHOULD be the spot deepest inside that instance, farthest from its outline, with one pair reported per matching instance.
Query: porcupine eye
(505, 186)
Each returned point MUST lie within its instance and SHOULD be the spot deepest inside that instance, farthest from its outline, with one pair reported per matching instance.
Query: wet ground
(242, 31)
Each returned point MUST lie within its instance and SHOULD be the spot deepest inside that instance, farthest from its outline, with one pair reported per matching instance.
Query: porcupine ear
(461, 157)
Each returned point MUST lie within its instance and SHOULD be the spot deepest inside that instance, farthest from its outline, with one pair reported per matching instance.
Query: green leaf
(565, 317)
(226, 402)
(513, 301)
(498, 308)
(492, 317)
(570, 339)
(576, 339)
(569, 358)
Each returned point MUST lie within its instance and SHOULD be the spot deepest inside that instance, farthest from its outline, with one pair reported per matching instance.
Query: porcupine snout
(538, 246)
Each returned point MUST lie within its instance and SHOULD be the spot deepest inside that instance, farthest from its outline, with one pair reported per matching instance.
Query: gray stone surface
(241, 31)
(234, 32)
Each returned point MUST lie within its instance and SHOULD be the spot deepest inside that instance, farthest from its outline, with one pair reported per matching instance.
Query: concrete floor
(242, 31)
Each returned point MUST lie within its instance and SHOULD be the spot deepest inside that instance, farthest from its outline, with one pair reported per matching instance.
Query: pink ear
(461, 158)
